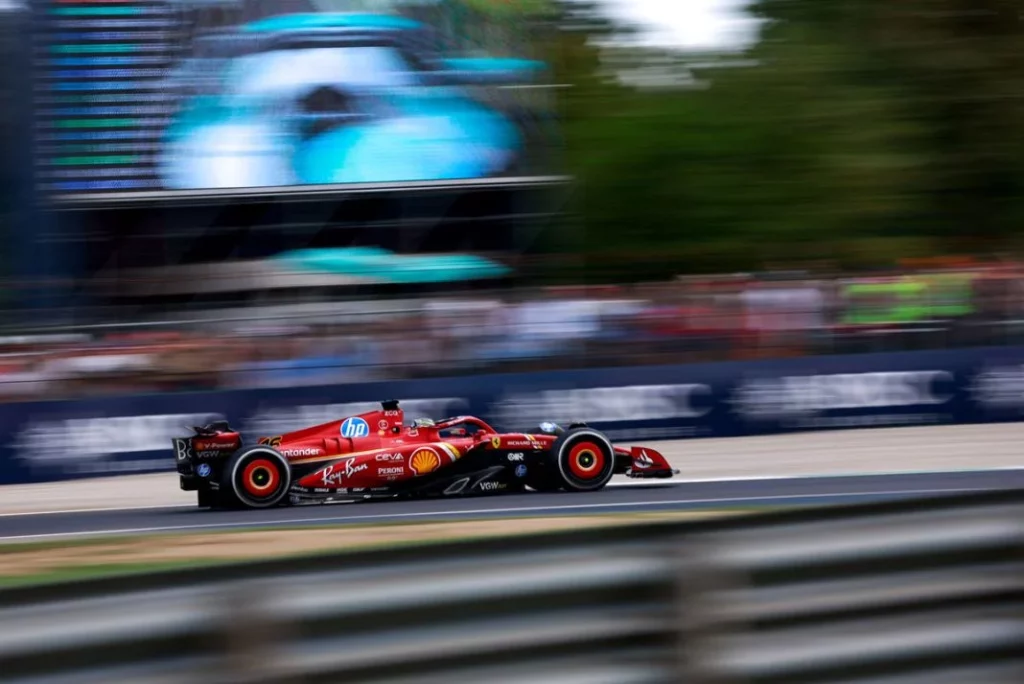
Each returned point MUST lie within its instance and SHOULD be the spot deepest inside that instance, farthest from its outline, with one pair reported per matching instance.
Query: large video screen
(192, 95)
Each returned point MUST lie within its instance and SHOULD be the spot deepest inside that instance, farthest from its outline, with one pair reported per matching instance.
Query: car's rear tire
(583, 459)
(216, 500)
(257, 477)
(544, 482)
(207, 498)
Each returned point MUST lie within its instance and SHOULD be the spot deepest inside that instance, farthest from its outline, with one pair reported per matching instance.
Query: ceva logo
(354, 427)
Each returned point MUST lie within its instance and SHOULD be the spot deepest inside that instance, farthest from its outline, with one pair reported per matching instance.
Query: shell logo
(424, 461)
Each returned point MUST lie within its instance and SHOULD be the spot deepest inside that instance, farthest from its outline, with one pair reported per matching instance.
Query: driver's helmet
(423, 423)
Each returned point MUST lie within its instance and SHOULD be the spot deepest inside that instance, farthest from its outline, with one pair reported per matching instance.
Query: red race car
(375, 455)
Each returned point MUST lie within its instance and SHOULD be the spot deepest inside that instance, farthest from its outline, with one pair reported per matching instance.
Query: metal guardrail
(895, 593)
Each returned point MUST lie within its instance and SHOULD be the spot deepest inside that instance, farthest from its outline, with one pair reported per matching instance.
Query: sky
(690, 24)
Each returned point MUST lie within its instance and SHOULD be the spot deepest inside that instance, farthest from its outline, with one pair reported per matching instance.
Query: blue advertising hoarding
(45, 441)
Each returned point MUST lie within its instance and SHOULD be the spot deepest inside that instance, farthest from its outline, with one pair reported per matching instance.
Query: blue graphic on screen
(137, 97)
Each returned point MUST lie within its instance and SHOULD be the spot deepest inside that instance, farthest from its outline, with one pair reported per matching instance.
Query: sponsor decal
(425, 460)
(321, 490)
(800, 399)
(214, 446)
(353, 428)
(606, 404)
(643, 461)
(305, 451)
(203, 470)
(390, 471)
(332, 475)
(453, 451)
(999, 387)
(521, 470)
(496, 442)
(392, 414)
(413, 432)
(516, 457)
(182, 449)
(90, 445)
(522, 443)
(492, 486)
(389, 458)
(382, 424)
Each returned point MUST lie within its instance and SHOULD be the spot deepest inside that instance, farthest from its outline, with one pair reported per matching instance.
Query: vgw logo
(354, 427)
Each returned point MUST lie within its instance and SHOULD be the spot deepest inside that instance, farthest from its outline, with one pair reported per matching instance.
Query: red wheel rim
(260, 477)
(586, 461)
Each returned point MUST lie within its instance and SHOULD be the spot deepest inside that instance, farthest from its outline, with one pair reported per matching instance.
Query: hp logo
(354, 427)
(203, 470)
(520, 470)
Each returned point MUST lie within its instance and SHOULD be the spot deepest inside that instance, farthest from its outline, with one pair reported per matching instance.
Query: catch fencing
(900, 592)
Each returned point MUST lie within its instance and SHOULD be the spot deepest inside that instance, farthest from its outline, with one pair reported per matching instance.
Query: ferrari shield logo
(496, 442)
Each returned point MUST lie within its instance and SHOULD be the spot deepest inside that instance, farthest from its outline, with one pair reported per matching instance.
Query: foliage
(862, 128)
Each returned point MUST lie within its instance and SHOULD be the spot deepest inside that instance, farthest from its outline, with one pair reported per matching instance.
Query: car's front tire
(257, 477)
(583, 459)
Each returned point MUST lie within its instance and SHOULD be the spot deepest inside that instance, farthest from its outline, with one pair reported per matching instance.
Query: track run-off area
(819, 468)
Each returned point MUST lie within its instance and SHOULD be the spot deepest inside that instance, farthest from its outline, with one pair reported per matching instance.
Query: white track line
(479, 511)
(827, 476)
(95, 510)
(675, 481)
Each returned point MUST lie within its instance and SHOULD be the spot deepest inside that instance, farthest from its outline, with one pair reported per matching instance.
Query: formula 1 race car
(374, 455)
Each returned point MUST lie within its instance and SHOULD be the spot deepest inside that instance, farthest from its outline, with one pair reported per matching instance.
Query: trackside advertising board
(46, 441)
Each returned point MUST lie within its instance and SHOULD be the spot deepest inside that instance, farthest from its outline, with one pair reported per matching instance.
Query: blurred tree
(860, 131)
(961, 67)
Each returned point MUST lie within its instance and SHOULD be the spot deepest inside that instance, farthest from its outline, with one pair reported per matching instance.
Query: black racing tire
(583, 460)
(544, 482)
(256, 477)
(215, 500)
(207, 498)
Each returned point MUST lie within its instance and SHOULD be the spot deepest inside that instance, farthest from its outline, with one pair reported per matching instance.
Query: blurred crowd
(687, 320)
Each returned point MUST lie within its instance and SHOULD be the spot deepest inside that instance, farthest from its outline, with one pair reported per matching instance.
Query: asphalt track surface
(625, 497)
